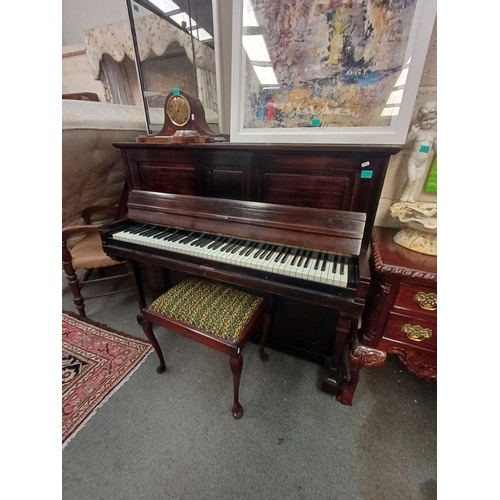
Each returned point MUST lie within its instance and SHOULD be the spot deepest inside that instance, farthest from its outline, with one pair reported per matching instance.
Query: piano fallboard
(332, 231)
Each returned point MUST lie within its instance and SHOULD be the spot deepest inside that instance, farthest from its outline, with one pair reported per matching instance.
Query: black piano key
(308, 259)
(137, 229)
(279, 253)
(323, 265)
(262, 252)
(318, 260)
(301, 258)
(212, 245)
(174, 236)
(255, 250)
(259, 251)
(229, 244)
(162, 234)
(246, 247)
(237, 246)
(208, 240)
(197, 238)
(150, 232)
(185, 238)
(178, 236)
(253, 246)
(287, 254)
(198, 241)
(190, 238)
(294, 255)
(270, 253)
(219, 243)
(335, 262)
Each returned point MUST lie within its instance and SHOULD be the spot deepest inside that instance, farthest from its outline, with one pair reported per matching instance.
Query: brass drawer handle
(428, 301)
(416, 333)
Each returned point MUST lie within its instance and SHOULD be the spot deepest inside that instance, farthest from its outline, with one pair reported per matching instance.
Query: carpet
(96, 361)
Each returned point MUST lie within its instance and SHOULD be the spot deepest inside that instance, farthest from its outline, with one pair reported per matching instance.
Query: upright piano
(289, 221)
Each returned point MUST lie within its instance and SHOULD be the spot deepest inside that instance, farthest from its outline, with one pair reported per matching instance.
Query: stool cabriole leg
(236, 368)
(148, 330)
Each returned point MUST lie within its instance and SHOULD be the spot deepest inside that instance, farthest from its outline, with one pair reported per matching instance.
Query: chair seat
(88, 253)
(208, 305)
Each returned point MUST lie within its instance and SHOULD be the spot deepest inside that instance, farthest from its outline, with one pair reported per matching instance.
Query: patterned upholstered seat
(213, 313)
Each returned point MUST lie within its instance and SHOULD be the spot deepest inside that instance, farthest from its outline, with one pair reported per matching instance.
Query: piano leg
(333, 374)
(263, 341)
(135, 269)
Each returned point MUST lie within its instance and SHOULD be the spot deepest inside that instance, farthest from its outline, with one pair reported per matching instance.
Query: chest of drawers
(401, 315)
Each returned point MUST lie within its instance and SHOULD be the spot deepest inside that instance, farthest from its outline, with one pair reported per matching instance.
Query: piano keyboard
(320, 267)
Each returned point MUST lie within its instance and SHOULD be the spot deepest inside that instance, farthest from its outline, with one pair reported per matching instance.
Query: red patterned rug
(96, 361)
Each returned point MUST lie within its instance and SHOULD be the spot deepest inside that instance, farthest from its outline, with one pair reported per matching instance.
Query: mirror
(174, 47)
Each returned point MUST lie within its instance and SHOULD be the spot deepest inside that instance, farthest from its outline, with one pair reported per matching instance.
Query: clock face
(178, 110)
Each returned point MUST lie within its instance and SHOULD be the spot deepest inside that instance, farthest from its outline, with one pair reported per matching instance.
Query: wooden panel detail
(168, 178)
(227, 182)
(304, 190)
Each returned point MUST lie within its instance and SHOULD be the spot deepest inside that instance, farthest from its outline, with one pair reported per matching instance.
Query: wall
(76, 74)
(396, 173)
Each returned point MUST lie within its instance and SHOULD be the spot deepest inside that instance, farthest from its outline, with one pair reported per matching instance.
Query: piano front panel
(228, 182)
(176, 179)
(306, 191)
(333, 177)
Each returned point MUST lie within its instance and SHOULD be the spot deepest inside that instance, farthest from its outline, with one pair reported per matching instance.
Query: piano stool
(212, 313)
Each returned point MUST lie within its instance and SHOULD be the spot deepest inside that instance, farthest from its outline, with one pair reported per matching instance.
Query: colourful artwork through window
(327, 63)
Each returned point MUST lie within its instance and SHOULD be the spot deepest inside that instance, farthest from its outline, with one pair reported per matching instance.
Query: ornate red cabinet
(401, 315)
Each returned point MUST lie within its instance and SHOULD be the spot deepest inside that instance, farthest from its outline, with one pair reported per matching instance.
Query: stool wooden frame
(233, 349)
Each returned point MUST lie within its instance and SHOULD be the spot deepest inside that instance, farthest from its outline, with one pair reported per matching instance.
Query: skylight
(165, 5)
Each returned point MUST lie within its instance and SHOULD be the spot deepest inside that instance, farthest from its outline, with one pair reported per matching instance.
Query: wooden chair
(87, 254)
(212, 313)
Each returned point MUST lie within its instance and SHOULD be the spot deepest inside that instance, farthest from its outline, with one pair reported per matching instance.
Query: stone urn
(420, 221)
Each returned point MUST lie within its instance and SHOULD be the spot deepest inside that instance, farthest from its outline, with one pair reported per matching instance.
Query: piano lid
(334, 231)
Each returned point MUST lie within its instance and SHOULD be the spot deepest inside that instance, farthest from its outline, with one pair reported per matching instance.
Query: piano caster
(263, 356)
(140, 319)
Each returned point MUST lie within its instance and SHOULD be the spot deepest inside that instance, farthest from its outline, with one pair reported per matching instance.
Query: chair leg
(148, 330)
(236, 368)
(267, 323)
(73, 282)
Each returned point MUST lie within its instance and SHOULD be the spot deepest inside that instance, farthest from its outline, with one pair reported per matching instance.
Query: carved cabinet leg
(360, 356)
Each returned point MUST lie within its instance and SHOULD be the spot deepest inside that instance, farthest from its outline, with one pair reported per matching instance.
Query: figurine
(424, 136)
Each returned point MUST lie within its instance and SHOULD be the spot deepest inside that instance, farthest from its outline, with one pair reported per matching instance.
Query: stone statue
(424, 137)
(420, 219)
